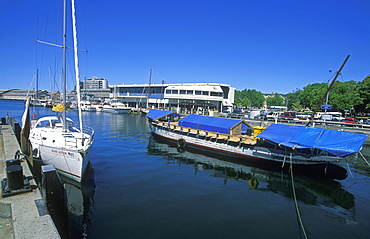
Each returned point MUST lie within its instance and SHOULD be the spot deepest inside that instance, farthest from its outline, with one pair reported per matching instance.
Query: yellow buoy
(59, 108)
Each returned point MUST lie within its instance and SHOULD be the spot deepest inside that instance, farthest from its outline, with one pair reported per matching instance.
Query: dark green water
(143, 188)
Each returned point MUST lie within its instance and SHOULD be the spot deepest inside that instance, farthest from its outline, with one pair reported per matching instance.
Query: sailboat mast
(64, 80)
(150, 79)
(74, 26)
(37, 85)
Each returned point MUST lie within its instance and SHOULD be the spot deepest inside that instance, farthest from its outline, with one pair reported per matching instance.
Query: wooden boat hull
(228, 149)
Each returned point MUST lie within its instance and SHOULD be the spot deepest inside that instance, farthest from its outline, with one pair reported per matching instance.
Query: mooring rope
(350, 171)
(295, 199)
(364, 158)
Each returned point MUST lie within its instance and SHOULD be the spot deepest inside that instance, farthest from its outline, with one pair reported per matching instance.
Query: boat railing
(86, 129)
(74, 141)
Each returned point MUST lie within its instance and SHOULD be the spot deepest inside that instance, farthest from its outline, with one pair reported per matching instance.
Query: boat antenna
(323, 97)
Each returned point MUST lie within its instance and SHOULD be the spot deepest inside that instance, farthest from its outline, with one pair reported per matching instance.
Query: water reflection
(319, 191)
(80, 205)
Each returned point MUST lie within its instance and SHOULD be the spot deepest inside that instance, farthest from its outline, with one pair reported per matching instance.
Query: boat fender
(35, 152)
(253, 183)
(181, 143)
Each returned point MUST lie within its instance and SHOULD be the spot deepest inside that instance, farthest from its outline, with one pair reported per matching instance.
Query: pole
(64, 65)
(323, 97)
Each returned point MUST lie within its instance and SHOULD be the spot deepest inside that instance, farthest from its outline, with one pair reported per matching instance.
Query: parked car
(288, 115)
(237, 113)
(224, 113)
(350, 120)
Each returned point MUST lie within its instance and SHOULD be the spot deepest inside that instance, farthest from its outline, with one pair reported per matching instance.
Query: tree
(344, 96)
(294, 101)
(249, 98)
(276, 100)
(311, 94)
(363, 89)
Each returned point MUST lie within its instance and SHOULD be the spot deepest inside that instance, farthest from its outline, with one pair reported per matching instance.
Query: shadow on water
(70, 204)
(80, 202)
(310, 189)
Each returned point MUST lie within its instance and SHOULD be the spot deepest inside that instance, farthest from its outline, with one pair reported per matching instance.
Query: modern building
(183, 98)
(95, 84)
(94, 88)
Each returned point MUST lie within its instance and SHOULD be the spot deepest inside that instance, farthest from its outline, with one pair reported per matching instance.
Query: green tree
(312, 94)
(276, 100)
(363, 89)
(294, 101)
(249, 98)
(344, 96)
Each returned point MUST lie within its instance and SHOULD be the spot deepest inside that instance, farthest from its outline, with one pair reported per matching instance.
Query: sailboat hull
(68, 151)
(70, 163)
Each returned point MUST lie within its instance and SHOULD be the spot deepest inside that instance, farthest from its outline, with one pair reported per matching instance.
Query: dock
(22, 215)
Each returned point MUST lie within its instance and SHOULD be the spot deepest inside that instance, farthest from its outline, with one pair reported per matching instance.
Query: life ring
(181, 143)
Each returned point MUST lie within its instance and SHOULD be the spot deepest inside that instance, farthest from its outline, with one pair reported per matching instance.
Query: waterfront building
(15, 94)
(201, 98)
(95, 88)
(95, 84)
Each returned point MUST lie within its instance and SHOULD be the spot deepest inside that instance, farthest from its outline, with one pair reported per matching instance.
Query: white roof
(214, 88)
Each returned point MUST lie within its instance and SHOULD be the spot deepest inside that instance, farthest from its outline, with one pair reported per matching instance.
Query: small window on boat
(44, 123)
(175, 91)
(205, 93)
(198, 92)
(189, 92)
(54, 122)
(182, 92)
(168, 91)
(214, 93)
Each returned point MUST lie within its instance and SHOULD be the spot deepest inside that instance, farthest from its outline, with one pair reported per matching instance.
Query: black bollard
(11, 162)
(14, 174)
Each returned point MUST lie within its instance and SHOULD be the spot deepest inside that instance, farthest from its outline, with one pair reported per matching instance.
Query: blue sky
(270, 46)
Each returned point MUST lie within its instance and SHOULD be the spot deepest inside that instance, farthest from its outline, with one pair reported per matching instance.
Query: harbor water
(140, 187)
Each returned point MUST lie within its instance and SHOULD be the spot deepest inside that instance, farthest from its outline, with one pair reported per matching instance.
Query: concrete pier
(22, 215)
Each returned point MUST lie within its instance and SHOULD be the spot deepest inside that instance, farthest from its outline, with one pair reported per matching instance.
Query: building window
(216, 94)
(189, 92)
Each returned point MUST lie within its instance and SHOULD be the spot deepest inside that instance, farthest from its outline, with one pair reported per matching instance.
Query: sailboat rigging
(55, 139)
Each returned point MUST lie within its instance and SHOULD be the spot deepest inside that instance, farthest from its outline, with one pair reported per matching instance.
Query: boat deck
(245, 139)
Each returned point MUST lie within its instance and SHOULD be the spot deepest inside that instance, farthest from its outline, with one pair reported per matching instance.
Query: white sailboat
(55, 139)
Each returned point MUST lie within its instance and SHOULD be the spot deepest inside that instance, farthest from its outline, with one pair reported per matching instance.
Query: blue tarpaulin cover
(156, 114)
(339, 143)
(209, 123)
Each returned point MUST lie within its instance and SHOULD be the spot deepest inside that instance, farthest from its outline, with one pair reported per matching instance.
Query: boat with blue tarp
(285, 144)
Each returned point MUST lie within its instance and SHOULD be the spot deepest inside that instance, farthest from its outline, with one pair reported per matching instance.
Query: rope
(284, 161)
(364, 158)
(295, 199)
(350, 171)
